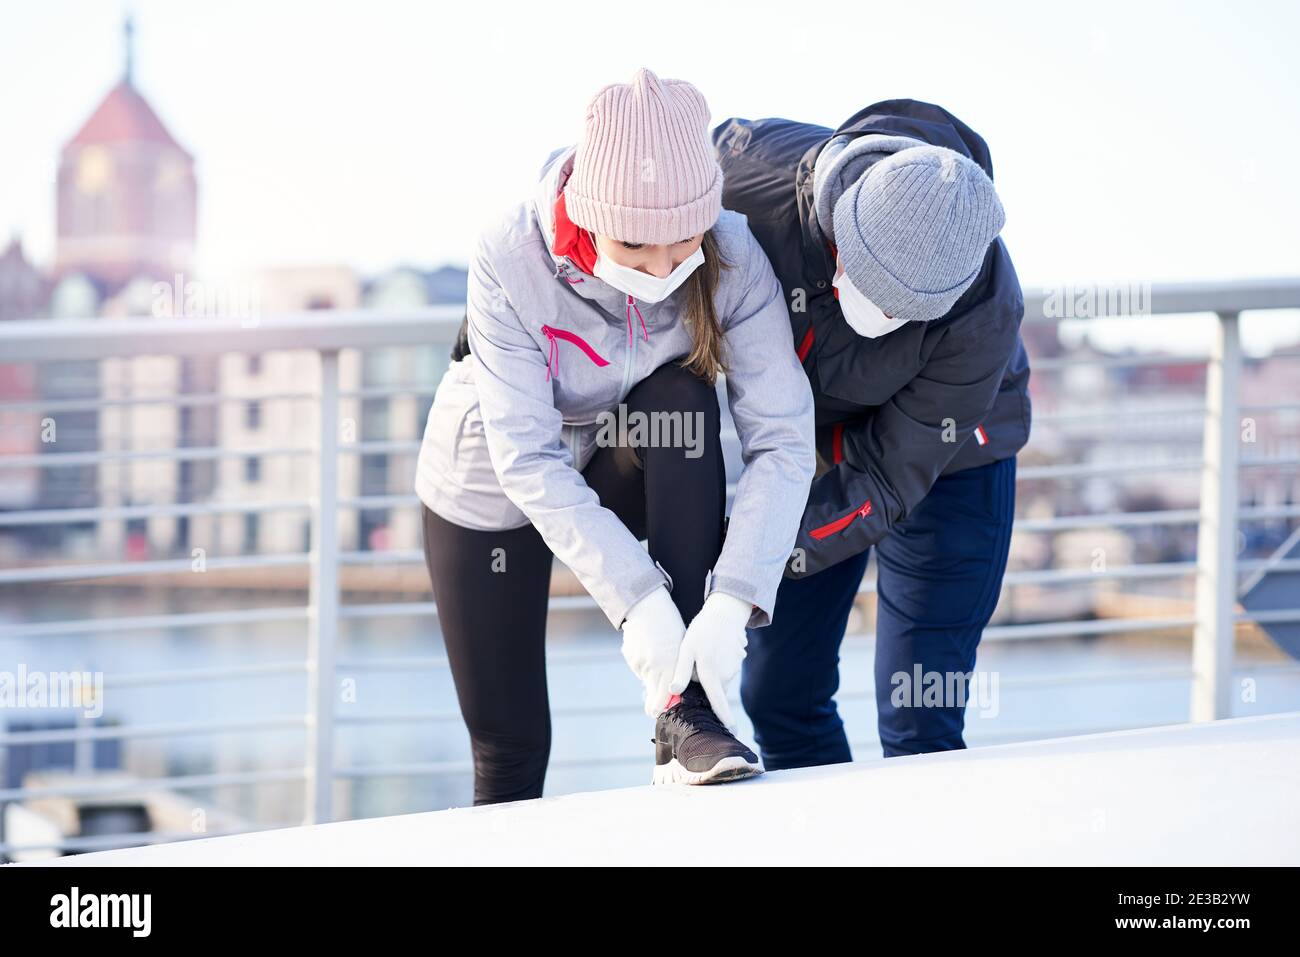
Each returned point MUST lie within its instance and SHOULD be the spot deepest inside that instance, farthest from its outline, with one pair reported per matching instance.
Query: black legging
(494, 622)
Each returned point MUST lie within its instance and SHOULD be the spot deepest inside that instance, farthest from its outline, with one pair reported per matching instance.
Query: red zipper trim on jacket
(553, 360)
(837, 444)
(806, 344)
(843, 522)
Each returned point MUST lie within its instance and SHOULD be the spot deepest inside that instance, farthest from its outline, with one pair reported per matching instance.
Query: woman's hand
(713, 648)
(652, 636)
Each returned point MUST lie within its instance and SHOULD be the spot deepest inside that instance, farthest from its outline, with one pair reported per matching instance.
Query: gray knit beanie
(913, 230)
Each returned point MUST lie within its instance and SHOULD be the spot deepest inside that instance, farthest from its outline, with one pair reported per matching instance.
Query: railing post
(323, 612)
(1216, 548)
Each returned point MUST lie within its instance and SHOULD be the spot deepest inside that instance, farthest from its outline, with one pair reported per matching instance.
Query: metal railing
(1216, 568)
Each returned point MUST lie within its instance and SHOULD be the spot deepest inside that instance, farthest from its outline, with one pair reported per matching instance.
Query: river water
(600, 737)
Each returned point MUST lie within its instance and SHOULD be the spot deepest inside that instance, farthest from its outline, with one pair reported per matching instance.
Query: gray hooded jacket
(552, 349)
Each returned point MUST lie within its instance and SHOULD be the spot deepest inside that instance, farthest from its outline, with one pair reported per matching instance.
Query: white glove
(652, 635)
(713, 648)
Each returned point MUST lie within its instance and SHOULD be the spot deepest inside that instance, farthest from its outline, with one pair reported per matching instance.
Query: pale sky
(1130, 141)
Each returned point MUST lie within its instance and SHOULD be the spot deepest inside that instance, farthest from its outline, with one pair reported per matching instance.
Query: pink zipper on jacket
(553, 360)
(631, 304)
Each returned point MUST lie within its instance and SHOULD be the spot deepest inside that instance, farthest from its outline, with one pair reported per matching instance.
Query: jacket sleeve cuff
(761, 616)
(617, 605)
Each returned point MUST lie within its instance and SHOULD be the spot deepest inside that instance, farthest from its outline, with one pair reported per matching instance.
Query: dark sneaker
(693, 747)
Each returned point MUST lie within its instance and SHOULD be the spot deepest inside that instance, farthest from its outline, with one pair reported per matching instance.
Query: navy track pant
(939, 574)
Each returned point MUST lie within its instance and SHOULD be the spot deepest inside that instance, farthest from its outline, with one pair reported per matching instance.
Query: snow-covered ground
(1222, 793)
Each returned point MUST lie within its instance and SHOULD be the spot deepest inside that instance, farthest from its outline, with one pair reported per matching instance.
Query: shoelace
(696, 712)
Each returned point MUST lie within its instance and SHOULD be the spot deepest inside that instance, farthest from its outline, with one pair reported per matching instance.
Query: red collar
(572, 240)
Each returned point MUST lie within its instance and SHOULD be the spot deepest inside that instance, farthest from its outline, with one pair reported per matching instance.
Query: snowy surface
(1220, 793)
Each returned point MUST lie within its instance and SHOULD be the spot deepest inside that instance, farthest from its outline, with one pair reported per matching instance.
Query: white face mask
(861, 313)
(642, 285)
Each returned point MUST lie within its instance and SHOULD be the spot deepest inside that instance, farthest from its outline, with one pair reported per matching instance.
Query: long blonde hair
(706, 359)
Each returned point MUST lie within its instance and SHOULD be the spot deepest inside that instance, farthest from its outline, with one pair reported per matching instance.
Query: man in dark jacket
(905, 312)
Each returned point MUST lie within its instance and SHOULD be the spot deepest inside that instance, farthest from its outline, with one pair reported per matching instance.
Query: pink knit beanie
(644, 170)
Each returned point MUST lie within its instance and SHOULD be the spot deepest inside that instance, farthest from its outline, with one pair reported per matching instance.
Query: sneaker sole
(734, 768)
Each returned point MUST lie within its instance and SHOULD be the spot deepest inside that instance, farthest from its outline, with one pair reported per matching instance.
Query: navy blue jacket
(897, 412)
